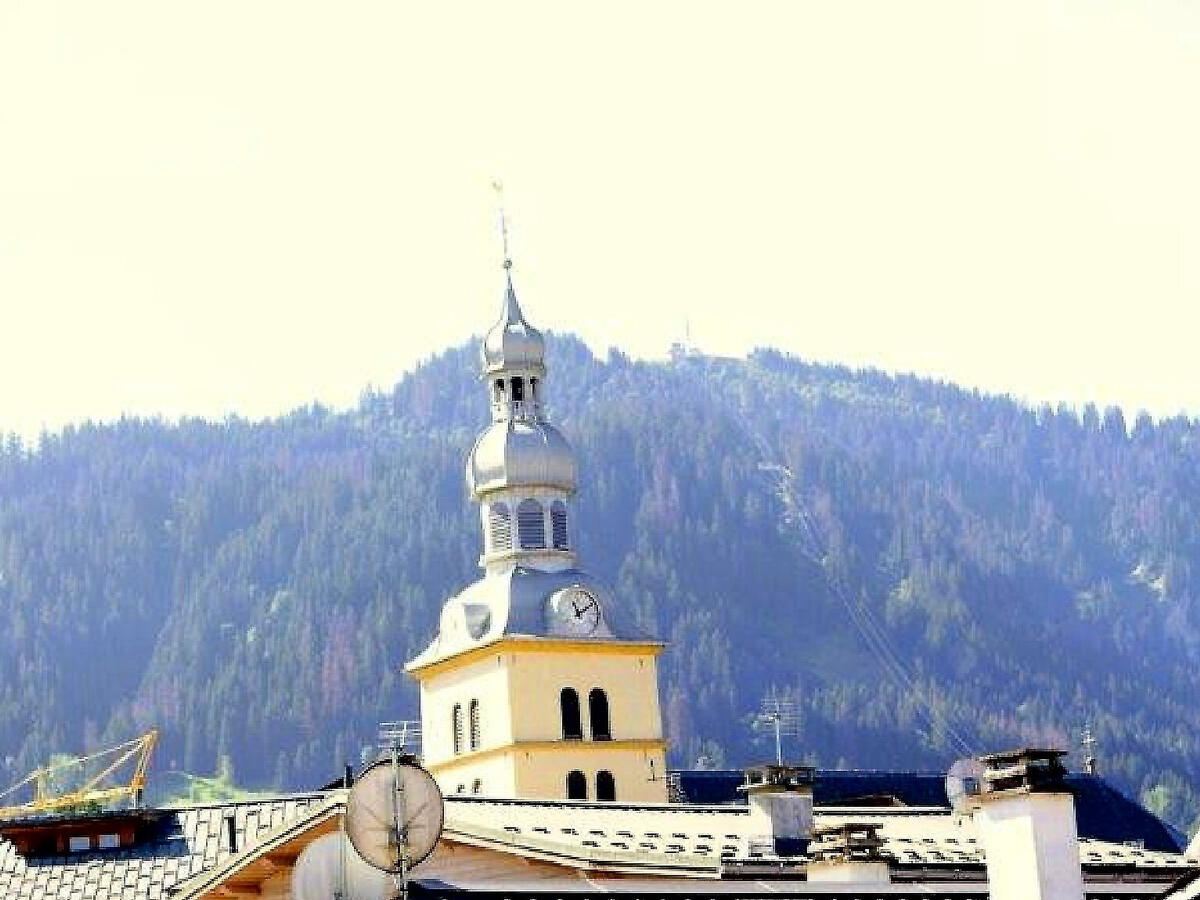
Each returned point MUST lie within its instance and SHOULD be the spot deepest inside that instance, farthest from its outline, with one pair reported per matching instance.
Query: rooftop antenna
(1089, 751)
(778, 713)
(394, 813)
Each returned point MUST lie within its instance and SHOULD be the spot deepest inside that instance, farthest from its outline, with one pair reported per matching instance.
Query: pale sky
(245, 205)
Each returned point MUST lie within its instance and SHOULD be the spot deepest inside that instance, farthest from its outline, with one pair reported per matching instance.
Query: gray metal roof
(515, 603)
(184, 843)
(512, 343)
(520, 453)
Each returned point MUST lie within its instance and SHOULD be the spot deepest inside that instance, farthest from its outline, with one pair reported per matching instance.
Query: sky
(237, 206)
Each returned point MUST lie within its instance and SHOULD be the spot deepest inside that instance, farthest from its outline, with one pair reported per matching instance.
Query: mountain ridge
(925, 569)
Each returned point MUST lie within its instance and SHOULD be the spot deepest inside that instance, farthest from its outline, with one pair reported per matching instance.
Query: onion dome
(520, 453)
(512, 343)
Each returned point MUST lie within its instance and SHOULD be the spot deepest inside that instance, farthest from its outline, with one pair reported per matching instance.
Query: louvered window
(558, 524)
(531, 525)
(458, 728)
(500, 527)
(474, 716)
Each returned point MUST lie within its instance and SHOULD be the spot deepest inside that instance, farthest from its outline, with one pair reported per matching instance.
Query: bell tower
(521, 470)
(537, 683)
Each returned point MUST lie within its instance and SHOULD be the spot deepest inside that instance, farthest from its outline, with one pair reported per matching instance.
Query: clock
(575, 612)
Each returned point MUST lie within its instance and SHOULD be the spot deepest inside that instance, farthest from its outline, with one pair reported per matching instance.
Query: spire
(521, 470)
(498, 187)
(512, 310)
(512, 342)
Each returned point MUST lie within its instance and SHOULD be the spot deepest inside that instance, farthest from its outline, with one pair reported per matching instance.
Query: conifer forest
(926, 572)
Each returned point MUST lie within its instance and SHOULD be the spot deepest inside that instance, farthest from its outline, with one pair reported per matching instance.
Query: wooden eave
(243, 874)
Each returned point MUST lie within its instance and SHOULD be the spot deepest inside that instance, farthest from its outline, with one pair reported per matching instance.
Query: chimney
(781, 805)
(850, 853)
(1026, 819)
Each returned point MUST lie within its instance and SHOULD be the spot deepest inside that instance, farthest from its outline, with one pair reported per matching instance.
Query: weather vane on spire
(498, 187)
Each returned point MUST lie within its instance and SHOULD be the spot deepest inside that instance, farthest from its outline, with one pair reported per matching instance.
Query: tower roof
(512, 343)
(517, 603)
(514, 453)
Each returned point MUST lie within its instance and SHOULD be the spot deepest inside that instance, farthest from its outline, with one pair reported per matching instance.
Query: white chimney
(781, 806)
(1026, 820)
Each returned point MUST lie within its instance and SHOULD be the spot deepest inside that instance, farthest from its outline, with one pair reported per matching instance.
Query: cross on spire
(1089, 751)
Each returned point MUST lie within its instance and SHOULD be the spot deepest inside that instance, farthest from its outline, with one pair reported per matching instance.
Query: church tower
(537, 684)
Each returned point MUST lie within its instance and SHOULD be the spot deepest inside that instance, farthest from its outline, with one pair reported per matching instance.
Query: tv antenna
(778, 713)
(400, 736)
(394, 813)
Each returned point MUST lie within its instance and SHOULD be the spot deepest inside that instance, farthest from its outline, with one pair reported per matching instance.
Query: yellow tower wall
(522, 752)
(627, 673)
(478, 677)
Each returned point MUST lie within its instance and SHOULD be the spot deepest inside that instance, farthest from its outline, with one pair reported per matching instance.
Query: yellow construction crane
(92, 791)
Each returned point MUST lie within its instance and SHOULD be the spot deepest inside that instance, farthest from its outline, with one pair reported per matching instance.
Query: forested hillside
(924, 570)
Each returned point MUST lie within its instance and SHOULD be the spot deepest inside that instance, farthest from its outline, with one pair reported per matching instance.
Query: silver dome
(520, 453)
(512, 342)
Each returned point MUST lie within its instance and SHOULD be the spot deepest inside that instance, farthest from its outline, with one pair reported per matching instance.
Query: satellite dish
(329, 867)
(963, 782)
(394, 815)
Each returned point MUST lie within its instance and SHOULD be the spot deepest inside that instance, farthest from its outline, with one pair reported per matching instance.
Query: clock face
(576, 612)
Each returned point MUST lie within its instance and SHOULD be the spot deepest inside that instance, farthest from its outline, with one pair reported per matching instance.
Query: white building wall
(1032, 847)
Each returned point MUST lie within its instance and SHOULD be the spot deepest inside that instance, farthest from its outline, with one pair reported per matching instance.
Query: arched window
(500, 527)
(606, 787)
(458, 728)
(576, 785)
(598, 710)
(558, 524)
(473, 714)
(571, 724)
(531, 525)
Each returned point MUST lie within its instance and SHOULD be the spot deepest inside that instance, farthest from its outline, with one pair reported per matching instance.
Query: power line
(870, 629)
